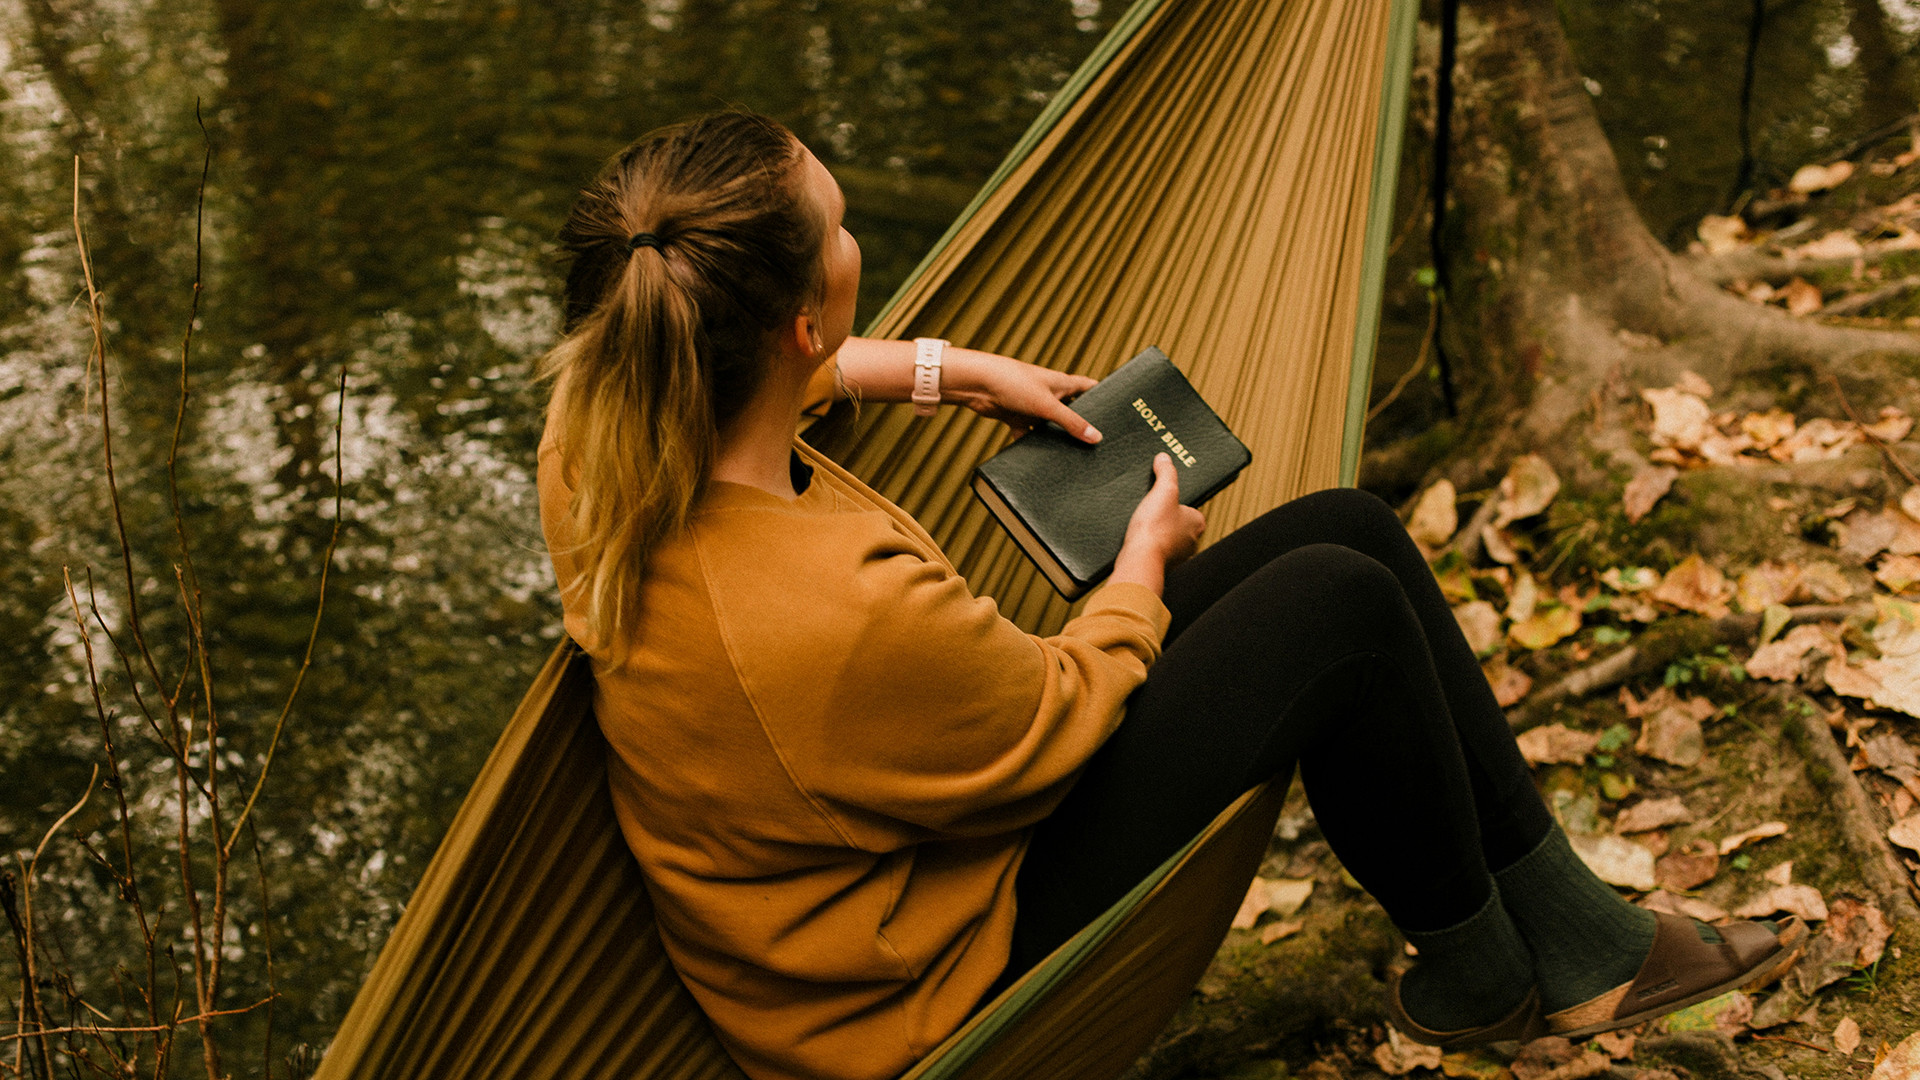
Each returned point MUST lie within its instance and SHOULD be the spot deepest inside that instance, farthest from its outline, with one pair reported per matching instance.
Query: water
(385, 180)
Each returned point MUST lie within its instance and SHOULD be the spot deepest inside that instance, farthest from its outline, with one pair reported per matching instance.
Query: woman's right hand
(1162, 533)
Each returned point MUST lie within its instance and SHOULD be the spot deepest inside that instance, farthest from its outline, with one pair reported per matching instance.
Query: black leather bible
(1067, 504)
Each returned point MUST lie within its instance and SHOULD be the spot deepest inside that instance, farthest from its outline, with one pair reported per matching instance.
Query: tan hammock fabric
(1217, 181)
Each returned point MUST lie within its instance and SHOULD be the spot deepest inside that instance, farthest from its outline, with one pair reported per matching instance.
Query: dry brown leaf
(1906, 832)
(1838, 244)
(1498, 545)
(1893, 425)
(1780, 874)
(1616, 861)
(1808, 179)
(1688, 906)
(1802, 297)
(1647, 488)
(1843, 678)
(1819, 439)
(1546, 628)
(1282, 896)
(1674, 736)
(1762, 831)
(1630, 579)
(1767, 428)
(1768, 583)
(1680, 420)
(1526, 490)
(1870, 532)
(1474, 1064)
(1285, 928)
(1826, 582)
(1802, 900)
(1683, 871)
(1902, 1062)
(1721, 234)
(1910, 503)
(1782, 660)
(1695, 585)
(1509, 683)
(1400, 1055)
(1846, 1035)
(1523, 597)
(1480, 622)
(1556, 744)
(1435, 516)
(1898, 573)
(1649, 814)
(1617, 1045)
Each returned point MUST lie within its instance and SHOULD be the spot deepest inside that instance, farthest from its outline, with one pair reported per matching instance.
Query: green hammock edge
(1061, 102)
(1394, 84)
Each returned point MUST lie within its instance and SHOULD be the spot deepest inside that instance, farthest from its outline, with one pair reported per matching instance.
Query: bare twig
(1885, 450)
(1419, 364)
(1794, 1041)
(90, 1029)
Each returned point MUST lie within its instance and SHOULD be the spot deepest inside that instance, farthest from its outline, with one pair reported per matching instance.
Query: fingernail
(1093, 434)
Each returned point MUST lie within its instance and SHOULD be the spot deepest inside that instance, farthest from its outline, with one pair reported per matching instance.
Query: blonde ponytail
(689, 250)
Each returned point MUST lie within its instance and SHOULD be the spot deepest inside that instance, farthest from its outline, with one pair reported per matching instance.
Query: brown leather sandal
(1683, 968)
(1523, 1024)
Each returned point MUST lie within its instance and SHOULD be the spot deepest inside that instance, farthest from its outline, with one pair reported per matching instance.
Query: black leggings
(1315, 634)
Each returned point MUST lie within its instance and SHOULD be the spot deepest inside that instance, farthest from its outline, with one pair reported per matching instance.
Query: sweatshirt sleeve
(887, 688)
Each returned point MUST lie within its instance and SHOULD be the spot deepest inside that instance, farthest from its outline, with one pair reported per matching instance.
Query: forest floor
(1705, 625)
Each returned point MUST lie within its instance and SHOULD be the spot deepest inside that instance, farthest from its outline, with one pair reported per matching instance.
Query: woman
(864, 801)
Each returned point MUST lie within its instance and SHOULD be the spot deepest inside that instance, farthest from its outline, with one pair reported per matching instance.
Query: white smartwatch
(927, 352)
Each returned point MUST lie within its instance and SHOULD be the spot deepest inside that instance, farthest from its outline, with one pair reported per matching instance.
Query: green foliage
(1716, 666)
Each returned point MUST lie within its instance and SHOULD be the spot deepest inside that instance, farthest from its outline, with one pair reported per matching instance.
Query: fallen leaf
(1802, 297)
(1498, 545)
(1617, 861)
(1687, 906)
(1630, 579)
(1802, 900)
(1825, 582)
(1762, 831)
(1906, 832)
(1648, 486)
(1546, 628)
(1435, 516)
(1808, 179)
(1509, 683)
(1695, 585)
(1556, 744)
(1674, 736)
(1400, 1055)
(1282, 896)
(1682, 871)
(1910, 503)
(1727, 1013)
(1893, 425)
(1846, 1035)
(1767, 584)
(1480, 622)
(1844, 678)
(1819, 439)
(1274, 931)
(1869, 534)
(1680, 420)
(1898, 573)
(1782, 660)
(1649, 814)
(1781, 874)
(1838, 244)
(1721, 234)
(1555, 1058)
(1475, 1064)
(1523, 597)
(1526, 490)
(1888, 752)
(1854, 937)
(1617, 1045)
(1692, 382)
(1767, 428)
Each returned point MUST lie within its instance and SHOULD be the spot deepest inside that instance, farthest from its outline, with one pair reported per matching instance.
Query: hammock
(1217, 180)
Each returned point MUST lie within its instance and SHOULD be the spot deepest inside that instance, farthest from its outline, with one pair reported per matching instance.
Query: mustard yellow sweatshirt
(826, 754)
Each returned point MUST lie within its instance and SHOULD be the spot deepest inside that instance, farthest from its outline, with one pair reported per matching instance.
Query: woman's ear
(804, 336)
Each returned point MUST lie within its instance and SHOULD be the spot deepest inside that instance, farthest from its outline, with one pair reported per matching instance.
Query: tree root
(1683, 638)
(1869, 853)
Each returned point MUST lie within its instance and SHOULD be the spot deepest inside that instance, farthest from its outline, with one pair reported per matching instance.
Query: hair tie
(645, 239)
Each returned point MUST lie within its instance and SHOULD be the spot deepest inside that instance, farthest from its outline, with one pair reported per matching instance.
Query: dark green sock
(1585, 939)
(1469, 974)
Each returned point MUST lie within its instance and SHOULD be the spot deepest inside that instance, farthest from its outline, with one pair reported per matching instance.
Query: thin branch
(1885, 450)
(1419, 363)
(319, 608)
(89, 1029)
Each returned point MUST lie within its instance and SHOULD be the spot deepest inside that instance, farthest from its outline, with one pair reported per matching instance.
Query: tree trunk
(1549, 262)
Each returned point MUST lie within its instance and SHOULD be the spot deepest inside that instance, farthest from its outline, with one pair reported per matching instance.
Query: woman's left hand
(1014, 392)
